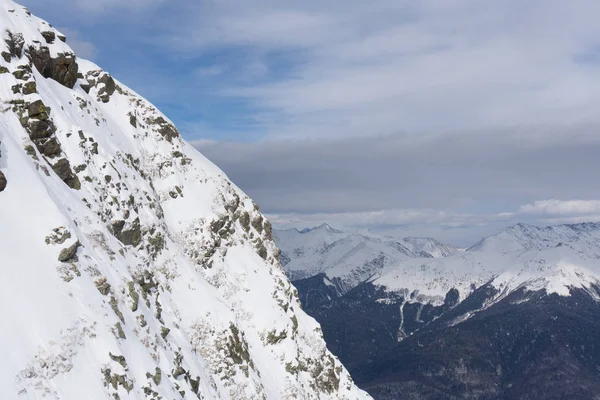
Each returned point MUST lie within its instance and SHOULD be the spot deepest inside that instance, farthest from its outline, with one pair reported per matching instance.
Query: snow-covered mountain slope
(131, 267)
(554, 269)
(553, 257)
(428, 247)
(522, 300)
(524, 237)
(349, 258)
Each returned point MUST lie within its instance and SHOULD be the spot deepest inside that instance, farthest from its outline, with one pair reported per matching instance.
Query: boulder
(63, 68)
(50, 148)
(129, 237)
(69, 253)
(166, 129)
(49, 36)
(38, 110)
(30, 87)
(86, 87)
(108, 89)
(38, 129)
(15, 42)
(62, 168)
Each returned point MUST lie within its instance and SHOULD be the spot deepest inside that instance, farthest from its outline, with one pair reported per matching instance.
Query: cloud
(561, 208)
(323, 69)
(95, 5)
(360, 68)
(438, 184)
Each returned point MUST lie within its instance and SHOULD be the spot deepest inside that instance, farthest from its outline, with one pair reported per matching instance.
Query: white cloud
(385, 66)
(456, 187)
(562, 208)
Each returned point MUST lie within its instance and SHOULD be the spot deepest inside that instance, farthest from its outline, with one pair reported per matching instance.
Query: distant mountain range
(515, 316)
(349, 258)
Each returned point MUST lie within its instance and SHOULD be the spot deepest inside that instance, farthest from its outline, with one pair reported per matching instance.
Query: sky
(444, 118)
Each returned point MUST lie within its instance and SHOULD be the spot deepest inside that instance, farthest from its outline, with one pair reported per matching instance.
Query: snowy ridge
(428, 247)
(132, 267)
(349, 258)
(525, 237)
(553, 258)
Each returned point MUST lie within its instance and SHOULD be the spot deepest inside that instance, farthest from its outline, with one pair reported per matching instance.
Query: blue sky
(499, 98)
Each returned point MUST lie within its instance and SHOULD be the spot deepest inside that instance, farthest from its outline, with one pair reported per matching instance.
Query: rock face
(143, 272)
(63, 68)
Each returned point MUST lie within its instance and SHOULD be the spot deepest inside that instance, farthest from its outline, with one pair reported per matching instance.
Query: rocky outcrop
(63, 68)
(15, 42)
(49, 36)
(69, 253)
(131, 236)
(62, 168)
(165, 128)
(108, 87)
(103, 82)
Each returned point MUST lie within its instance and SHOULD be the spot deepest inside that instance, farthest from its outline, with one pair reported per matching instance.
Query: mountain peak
(323, 227)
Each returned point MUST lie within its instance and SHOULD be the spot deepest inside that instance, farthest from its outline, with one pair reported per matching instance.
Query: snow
(352, 257)
(220, 292)
(555, 259)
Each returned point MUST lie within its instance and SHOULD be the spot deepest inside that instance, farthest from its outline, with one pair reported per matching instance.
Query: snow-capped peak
(349, 258)
(524, 237)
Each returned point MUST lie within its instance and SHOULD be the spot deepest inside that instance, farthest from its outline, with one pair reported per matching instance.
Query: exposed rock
(50, 148)
(15, 43)
(3, 70)
(39, 129)
(38, 110)
(62, 168)
(62, 68)
(165, 128)
(129, 237)
(2, 181)
(69, 253)
(262, 251)
(108, 89)
(120, 359)
(245, 221)
(268, 230)
(257, 223)
(59, 236)
(62, 38)
(30, 87)
(103, 286)
(86, 87)
(164, 332)
(21, 74)
(49, 36)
